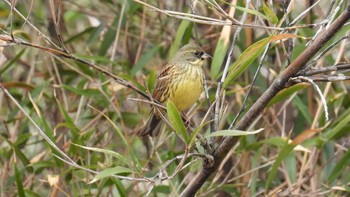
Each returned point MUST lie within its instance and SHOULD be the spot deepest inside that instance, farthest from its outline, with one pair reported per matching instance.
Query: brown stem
(261, 103)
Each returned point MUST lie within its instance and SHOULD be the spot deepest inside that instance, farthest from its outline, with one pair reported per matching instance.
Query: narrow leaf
(107, 152)
(250, 54)
(245, 60)
(144, 59)
(83, 92)
(339, 167)
(195, 132)
(221, 48)
(110, 172)
(286, 93)
(181, 30)
(270, 14)
(19, 182)
(218, 58)
(6, 66)
(274, 169)
(176, 121)
(302, 108)
(109, 37)
(250, 11)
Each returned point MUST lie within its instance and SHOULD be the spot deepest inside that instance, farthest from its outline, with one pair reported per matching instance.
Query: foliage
(94, 119)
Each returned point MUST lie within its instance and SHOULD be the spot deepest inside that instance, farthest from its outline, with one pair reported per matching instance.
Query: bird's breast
(187, 89)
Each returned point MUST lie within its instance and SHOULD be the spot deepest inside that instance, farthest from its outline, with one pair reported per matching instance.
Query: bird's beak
(205, 56)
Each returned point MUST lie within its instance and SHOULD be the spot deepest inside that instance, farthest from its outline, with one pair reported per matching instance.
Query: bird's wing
(163, 80)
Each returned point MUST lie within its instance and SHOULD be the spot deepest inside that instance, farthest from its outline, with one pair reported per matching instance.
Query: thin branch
(339, 68)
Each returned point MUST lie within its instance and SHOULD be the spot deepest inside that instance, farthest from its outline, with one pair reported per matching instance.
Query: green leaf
(343, 163)
(68, 119)
(176, 121)
(83, 92)
(245, 60)
(340, 126)
(80, 35)
(303, 109)
(254, 12)
(109, 37)
(255, 162)
(234, 133)
(291, 167)
(145, 58)
(151, 80)
(23, 158)
(19, 182)
(270, 14)
(286, 93)
(195, 132)
(121, 135)
(218, 58)
(107, 152)
(328, 151)
(6, 66)
(181, 30)
(17, 151)
(281, 156)
(110, 172)
(121, 189)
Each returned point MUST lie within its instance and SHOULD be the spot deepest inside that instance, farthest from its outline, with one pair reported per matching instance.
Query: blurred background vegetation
(95, 120)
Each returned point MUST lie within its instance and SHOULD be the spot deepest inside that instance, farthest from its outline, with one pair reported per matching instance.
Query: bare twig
(339, 68)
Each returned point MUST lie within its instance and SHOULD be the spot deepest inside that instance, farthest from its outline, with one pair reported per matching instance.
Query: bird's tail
(152, 127)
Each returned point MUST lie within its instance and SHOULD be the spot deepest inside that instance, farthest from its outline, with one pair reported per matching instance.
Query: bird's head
(191, 53)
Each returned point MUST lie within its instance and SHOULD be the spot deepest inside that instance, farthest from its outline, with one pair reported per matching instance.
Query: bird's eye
(198, 53)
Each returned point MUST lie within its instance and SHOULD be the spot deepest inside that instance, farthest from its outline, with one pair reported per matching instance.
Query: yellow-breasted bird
(181, 81)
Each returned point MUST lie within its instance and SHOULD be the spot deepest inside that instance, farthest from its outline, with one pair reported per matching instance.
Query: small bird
(181, 81)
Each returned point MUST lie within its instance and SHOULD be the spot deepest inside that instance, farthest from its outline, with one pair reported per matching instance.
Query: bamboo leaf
(179, 37)
(339, 167)
(176, 121)
(270, 14)
(250, 54)
(281, 156)
(109, 172)
(107, 152)
(19, 182)
(145, 58)
(245, 60)
(286, 93)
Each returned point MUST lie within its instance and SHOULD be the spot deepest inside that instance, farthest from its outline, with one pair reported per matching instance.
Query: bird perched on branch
(181, 81)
